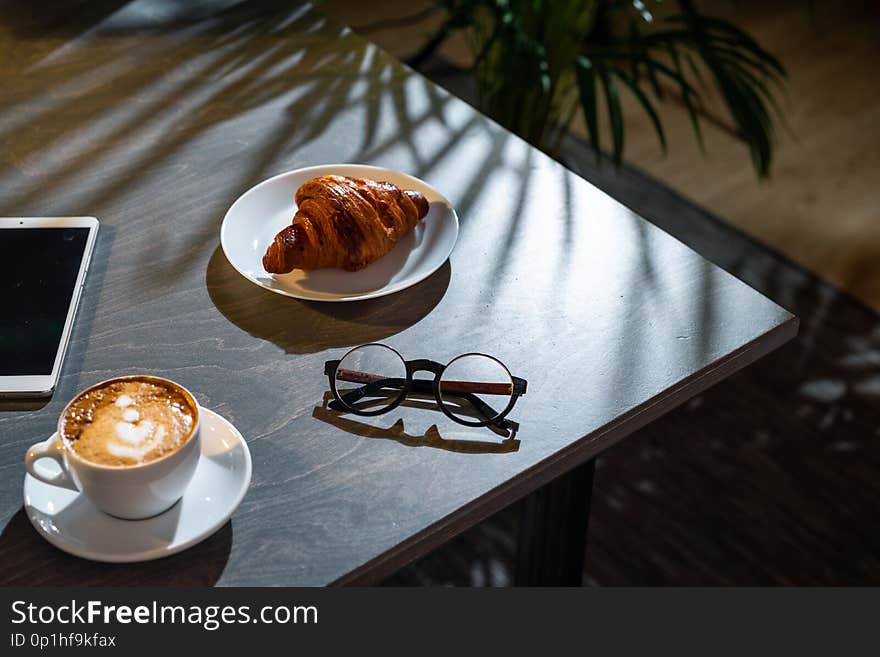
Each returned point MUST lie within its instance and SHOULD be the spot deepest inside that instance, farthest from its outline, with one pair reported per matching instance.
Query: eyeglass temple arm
(517, 387)
(355, 394)
(419, 386)
(481, 406)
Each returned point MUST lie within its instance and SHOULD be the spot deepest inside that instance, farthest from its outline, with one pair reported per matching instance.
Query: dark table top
(156, 122)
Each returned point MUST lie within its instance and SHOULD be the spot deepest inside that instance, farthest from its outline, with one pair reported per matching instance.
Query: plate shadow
(298, 326)
(26, 559)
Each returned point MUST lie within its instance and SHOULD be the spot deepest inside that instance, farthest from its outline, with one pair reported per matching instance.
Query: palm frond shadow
(223, 66)
(186, 81)
(176, 101)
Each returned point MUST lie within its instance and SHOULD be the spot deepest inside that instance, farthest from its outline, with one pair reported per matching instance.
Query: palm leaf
(633, 86)
(760, 85)
(690, 98)
(586, 79)
(725, 31)
(535, 60)
(695, 70)
(615, 115)
(728, 52)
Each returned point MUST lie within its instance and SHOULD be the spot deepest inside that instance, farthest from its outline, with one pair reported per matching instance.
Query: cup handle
(49, 449)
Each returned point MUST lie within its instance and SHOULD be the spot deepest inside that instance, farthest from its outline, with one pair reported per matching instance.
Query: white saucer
(255, 218)
(68, 520)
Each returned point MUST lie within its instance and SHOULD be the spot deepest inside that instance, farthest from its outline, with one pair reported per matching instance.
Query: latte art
(128, 422)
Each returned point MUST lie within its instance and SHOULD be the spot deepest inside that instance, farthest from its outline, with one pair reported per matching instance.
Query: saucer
(68, 520)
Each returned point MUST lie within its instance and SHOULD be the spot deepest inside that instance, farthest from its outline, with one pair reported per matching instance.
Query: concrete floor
(822, 206)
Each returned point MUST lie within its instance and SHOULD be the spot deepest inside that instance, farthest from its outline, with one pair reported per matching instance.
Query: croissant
(344, 222)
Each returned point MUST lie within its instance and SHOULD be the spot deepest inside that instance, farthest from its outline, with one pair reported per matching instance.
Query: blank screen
(38, 270)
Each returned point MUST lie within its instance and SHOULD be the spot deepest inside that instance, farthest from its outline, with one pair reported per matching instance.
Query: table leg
(553, 530)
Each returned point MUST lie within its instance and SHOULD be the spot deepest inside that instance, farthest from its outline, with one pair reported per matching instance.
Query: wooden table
(155, 123)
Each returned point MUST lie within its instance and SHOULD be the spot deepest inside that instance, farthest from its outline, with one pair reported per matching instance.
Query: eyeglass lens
(370, 378)
(475, 388)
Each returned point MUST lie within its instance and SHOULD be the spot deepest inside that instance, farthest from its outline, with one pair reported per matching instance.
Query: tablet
(43, 265)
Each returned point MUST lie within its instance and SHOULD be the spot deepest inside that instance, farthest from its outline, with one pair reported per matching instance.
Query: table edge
(588, 447)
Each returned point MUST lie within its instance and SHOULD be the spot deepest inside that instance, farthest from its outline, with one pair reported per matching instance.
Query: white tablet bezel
(44, 384)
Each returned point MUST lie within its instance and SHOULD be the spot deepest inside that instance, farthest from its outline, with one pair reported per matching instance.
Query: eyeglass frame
(519, 386)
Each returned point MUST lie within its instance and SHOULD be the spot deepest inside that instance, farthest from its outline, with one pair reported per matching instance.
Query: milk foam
(123, 401)
(128, 423)
(139, 437)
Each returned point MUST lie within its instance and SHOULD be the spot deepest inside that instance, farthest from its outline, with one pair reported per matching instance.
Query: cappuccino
(128, 422)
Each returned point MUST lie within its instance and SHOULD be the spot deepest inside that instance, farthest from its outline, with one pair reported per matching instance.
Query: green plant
(538, 61)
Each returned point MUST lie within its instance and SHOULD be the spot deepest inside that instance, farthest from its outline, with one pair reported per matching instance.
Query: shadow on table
(431, 438)
(23, 404)
(26, 559)
(54, 16)
(309, 326)
(116, 90)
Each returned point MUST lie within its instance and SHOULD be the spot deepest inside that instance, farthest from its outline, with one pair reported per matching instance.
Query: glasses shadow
(430, 438)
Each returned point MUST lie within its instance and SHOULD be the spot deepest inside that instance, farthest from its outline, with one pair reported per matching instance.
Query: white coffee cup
(132, 492)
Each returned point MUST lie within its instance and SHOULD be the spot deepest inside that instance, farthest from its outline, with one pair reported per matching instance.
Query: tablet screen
(38, 272)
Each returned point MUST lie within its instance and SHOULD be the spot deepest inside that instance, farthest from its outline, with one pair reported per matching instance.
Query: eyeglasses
(373, 379)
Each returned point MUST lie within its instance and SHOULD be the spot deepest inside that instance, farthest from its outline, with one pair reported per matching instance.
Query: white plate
(260, 213)
(68, 520)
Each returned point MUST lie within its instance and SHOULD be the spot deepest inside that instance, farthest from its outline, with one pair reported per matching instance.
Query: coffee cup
(130, 444)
